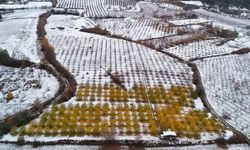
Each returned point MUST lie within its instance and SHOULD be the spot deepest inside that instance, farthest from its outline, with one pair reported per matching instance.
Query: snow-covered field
(189, 21)
(30, 5)
(170, 7)
(27, 85)
(68, 24)
(76, 147)
(84, 53)
(196, 3)
(89, 8)
(18, 37)
(84, 57)
(201, 49)
(131, 114)
(222, 20)
(156, 92)
(227, 81)
(137, 28)
(121, 3)
(18, 34)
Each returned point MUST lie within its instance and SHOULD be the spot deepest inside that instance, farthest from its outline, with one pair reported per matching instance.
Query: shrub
(112, 122)
(9, 96)
(153, 130)
(13, 131)
(38, 105)
(79, 95)
(20, 141)
(22, 131)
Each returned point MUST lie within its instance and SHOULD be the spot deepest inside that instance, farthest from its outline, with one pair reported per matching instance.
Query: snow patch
(196, 3)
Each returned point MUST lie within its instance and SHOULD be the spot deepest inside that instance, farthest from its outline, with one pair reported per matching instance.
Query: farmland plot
(91, 8)
(121, 3)
(29, 5)
(201, 49)
(224, 21)
(68, 24)
(189, 21)
(20, 88)
(103, 109)
(137, 28)
(226, 80)
(170, 6)
(242, 41)
(83, 54)
(118, 117)
(20, 41)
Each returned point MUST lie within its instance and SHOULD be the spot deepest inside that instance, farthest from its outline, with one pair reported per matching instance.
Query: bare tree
(38, 105)
(116, 78)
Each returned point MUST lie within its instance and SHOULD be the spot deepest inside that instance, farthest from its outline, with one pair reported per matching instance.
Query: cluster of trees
(190, 124)
(226, 3)
(157, 94)
(174, 95)
(108, 120)
(90, 119)
(217, 31)
(111, 93)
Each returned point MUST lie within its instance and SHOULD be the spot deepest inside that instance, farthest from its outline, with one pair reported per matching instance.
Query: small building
(168, 135)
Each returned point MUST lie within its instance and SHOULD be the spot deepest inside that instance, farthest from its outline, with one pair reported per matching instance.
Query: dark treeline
(226, 3)
(3, 1)
(6, 60)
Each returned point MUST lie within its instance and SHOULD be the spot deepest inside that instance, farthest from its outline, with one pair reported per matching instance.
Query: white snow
(226, 80)
(241, 41)
(189, 21)
(201, 49)
(96, 147)
(47, 147)
(222, 19)
(43, 138)
(93, 8)
(126, 58)
(30, 5)
(71, 27)
(209, 136)
(84, 53)
(27, 85)
(198, 104)
(137, 29)
(168, 133)
(120, 5)
(76, 22)
(21, 40)
(203, 147)
(170, 7)
(228, 134)
(196, 3)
